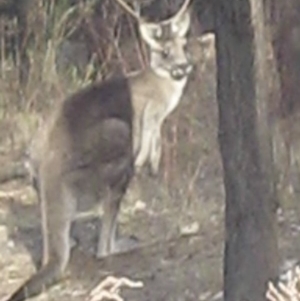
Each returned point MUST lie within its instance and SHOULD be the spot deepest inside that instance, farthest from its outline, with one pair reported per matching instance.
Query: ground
(178, 219)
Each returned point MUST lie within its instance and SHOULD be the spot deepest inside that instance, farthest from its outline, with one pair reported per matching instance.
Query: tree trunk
(243, 91)
(285, 21)
(284, 18)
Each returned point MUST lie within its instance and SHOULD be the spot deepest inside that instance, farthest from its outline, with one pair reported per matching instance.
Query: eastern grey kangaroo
(96, 136)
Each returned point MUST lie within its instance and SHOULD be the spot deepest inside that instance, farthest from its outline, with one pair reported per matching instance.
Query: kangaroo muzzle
(181, 71)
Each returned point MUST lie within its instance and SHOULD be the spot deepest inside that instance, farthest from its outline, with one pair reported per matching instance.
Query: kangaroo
(89, 148)
(87, 157)
(156, 91)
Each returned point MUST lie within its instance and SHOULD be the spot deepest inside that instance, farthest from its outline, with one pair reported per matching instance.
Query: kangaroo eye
(166, 52)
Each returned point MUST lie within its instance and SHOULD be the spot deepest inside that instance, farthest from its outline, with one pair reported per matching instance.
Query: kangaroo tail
(44, 278)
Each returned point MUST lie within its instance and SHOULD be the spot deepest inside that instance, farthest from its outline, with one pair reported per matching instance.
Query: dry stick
(169, 155)
(169, 158)
(137, 16)
(192, 182)
(175, 149)
(2, 48)
(171, 168)
(111, 31)
(137, 47)
(109, 53)
(110, 287)
(166, 157)
(127, 8)
(288, 291)
(140, 47)
(117, 47)
(94, 36)
(167, 147)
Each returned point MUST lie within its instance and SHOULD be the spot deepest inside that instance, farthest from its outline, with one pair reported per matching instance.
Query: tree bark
(284, 18)
(285, 21)
(243, 91)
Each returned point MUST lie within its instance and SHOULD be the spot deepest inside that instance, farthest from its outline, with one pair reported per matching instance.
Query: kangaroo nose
(181, 70)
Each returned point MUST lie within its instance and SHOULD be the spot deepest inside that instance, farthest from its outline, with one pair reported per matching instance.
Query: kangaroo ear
(181, 24)
(178, 26)
(151, 33)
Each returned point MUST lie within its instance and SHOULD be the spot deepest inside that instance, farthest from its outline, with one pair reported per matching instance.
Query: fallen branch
(288, 291)
(109, 288)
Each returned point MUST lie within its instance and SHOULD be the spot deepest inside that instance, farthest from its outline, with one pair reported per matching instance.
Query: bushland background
(49, 49)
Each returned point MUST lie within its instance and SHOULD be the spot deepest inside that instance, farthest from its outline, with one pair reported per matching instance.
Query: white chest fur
(175, 94)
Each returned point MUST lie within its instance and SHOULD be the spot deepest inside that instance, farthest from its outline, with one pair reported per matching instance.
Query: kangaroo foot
(125, 244)
(121, 245)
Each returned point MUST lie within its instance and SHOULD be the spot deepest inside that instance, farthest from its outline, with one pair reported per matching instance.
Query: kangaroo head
(167, 44)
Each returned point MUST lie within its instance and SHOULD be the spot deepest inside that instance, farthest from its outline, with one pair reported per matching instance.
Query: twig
(109, 288)
(140, 19)
(288, 291)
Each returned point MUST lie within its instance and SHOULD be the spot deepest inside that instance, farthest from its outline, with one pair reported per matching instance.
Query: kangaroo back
(89, 148)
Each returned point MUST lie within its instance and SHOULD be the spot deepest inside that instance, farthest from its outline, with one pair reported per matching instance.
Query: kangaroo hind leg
(57, 214)
(107, 234)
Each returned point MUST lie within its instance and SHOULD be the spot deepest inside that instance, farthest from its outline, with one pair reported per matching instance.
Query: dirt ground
(181, 235)
(171, 266)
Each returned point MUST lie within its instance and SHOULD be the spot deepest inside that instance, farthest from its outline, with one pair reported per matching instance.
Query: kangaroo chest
(173, 96)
